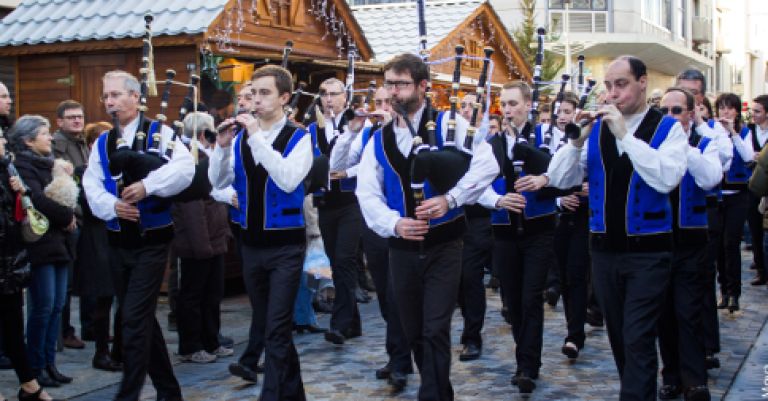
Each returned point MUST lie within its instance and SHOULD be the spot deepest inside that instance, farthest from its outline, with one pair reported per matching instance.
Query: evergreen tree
(525, 37)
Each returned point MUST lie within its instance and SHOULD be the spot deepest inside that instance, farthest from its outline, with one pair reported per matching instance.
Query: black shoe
(670, 392)
(525, 384)
(334, 336)
(470, 352)
(398, 381)
(697, 393)
(570, 350)
(723, 304)
(45, 380)
(25, 396)
(552, 295)
(104, 362)
(366, 282)
(733, 304)
(594, 318)
(383, 372)
(309, 328)
(752, 266)
(362, 296)
(56, 375)
(243, 372)
(759, 281)
(352, 333)
(226, 342)
(711, 362)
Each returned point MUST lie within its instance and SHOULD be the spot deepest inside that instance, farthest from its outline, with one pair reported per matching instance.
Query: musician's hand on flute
(134, 192)
(570, 202)
(337, 175)
(615, 121)
(531, 183)
(727, 123)
(411, 229)
(248, 121)
(584, 120)
(226, 132)
(126, 211)
(384, 116)
(358, 122)
(511, 201)
(432, 208)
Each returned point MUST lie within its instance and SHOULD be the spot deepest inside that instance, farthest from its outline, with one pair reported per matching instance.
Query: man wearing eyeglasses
(680, 339)
(140, 230)
(425, 241)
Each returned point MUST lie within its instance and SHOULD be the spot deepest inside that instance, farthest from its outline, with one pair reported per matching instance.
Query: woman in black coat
(30, 141)
(11, 301)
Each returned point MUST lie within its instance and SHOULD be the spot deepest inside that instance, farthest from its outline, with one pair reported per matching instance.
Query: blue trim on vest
(539, 136)
(367, 135)
(692, 203)
(279, 206)
(642, 200)
(393, 191)
(711, 123)
(739, 172)
(533, 206)
(155, 213)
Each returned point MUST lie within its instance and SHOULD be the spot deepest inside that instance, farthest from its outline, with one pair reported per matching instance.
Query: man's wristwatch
(451, 201)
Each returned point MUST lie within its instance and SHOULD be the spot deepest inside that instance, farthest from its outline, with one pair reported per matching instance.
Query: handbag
(34, 224)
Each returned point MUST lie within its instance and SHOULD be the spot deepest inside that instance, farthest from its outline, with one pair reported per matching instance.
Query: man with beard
(424, 240)
(632, 161)
(140, 230)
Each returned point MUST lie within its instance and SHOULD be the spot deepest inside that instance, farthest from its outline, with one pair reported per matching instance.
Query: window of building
(658, 12)
(680, 18)
(594, 5)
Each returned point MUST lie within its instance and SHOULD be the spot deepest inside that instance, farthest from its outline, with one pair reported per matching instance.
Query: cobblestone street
(347, 373)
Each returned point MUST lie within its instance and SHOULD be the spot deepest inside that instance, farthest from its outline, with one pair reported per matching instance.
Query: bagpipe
(128, 164)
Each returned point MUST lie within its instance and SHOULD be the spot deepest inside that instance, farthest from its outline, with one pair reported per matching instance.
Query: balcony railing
(579, 21)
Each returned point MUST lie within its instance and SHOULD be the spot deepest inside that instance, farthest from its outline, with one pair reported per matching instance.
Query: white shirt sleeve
(377, 214)
(568, 166)
(705, 167)
(287, 172)
(101, 202)
(483, 167)
(661, 168)
(223, 195)
(744, 146)
(339, 159)
(221, 171)
(174, 176)
(354, 155)
(721, 139)
(489, 198)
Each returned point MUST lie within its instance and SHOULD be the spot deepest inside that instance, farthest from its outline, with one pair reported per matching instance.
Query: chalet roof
(50, 21)
(378, 21)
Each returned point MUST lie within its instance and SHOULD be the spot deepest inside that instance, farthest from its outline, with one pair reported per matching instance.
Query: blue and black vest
(155, 224)
(539, 214)
(268, 216)
(737, 177)
(690, 204)
(639, 218)
(342, 192)
(397, 189)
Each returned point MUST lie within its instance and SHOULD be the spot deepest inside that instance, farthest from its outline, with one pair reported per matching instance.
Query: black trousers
(710, 325)
(341, 229)
(571, 245)
(377, 254)
(100, 318)
(199, 311)
(734, 212)
(630, 288)
(426, 287)
(680, 342)
(138, 274)
(523, 265)
(12, 326)
(476, 256)
(272, 277)
(755, 222)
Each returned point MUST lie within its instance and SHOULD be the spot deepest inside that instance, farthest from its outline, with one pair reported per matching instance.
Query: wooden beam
(96, 45)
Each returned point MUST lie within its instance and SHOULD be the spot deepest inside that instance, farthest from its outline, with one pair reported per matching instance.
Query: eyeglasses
(397, 84)
(330, 94)
(74, 117)
(111, 95)
(673, 109)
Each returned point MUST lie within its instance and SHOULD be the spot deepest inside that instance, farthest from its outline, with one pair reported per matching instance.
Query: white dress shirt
(224, 195)
(762, 135)
(556, 136)
(287, 172)
(379, 217)
(705, 166)
(662, 168)
(346, 143)
(719, 135)
(168, 180)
